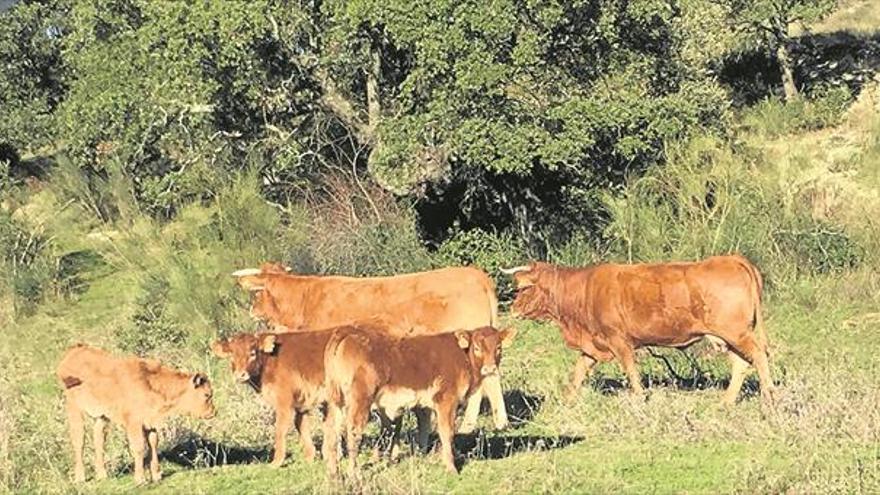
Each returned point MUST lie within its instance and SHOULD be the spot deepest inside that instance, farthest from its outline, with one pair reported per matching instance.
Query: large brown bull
(436, 301)
(606, 311)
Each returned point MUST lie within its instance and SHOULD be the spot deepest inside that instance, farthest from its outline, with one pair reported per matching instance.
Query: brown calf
(438, 372)
(129, 391)
(606, 311)
(287, 370)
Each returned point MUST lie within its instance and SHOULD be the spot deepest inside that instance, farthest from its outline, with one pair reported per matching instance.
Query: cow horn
(245, 272)
(511, 271)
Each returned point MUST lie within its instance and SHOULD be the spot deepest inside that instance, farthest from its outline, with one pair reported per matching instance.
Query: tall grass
(708, 200)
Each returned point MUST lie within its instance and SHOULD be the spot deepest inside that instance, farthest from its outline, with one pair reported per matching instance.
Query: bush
(26, 261)
(487, 250)
(823, 107)
(150, 327)
(359, 229)
(821, 248)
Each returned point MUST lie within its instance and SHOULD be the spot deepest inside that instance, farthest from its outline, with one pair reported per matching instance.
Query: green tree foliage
(508, 114)
(32, 75)
(771, 20)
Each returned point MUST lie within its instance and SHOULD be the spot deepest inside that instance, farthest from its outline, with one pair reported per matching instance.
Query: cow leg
(358, 413)
(99, 435)
(153, 439)
(332, 431)
(492, 390)
(136, 443)
(623, 351)
(446, 430)
(76, 430)
(471, 412)
(738, 369)
(302, 420)
(283, 415)
(748, 348)
(582, 368)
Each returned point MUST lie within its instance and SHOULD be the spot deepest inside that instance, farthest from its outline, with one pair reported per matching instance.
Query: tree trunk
(788, 86)
(374, 108)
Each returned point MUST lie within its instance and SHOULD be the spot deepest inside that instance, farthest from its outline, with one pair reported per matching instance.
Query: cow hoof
(101, 474)
(79, 478)
(276, 463)
(501, 425)
(157, 477)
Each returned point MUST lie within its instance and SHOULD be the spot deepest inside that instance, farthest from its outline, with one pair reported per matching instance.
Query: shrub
(359, 229)
(487, 250)
(27, 262)
(150, 327)
(821, 248)
(823, 107)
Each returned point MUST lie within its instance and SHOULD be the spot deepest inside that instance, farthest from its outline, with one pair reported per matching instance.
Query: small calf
(438, 372)
(129, 391)
(287, 370)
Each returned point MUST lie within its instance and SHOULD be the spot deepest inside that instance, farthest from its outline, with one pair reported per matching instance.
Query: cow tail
(757, 303)
(331, 382)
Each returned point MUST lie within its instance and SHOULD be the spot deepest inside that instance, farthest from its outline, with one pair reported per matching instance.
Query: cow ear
(463, 338)
(267, 343)
(220, 349)
(199, 379)
(507, 336)
(252, 283)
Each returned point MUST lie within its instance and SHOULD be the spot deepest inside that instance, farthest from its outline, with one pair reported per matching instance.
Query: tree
(508, 114)
(510, 111)
(771, 20)
(33, 77)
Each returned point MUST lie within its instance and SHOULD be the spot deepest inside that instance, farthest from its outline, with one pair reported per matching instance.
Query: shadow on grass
(195, 451)
(617, 386)
(482, 447)
(521, 406)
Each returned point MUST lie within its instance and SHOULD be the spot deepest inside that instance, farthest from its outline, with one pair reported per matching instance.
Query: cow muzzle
(490, 369)
(210, 413)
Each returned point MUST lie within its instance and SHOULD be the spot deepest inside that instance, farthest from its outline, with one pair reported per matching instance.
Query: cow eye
(253, 353)
(477, 351)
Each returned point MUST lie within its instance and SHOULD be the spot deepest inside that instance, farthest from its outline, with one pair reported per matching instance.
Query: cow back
(412, 304)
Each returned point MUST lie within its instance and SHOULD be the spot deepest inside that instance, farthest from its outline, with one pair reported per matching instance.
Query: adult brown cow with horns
(423, 303)
(607, 311)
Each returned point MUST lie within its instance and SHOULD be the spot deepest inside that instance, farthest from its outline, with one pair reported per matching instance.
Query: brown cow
(365, 367)
(129, 391)
(606, 311)
(287, 370)
(429, 302)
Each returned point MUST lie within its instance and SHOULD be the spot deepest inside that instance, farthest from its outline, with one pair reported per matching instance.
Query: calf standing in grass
(129, 391)
(439, 372)
(287, 370)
